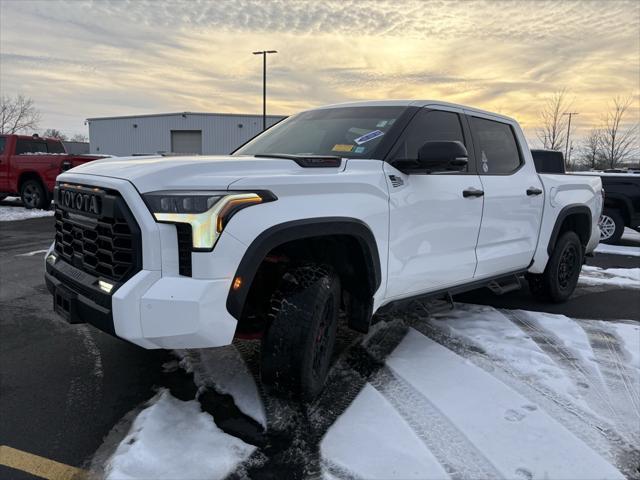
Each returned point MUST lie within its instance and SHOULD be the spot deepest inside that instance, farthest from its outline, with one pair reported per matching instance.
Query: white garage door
(186, 141)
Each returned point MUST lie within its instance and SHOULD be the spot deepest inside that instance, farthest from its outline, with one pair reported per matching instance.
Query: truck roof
(30, 137)
(415, 103)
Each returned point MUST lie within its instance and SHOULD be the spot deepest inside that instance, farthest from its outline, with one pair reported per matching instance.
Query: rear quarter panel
(562, 191)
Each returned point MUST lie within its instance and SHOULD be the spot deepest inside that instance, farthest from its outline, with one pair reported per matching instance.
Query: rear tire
(34, 195)
(560, 277)
(298, 344)
(611, 226)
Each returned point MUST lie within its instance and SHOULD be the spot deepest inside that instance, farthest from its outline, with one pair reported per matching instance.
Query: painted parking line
(39, 466)
(31, 254)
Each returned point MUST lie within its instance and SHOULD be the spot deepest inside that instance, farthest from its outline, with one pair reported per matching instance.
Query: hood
(184, 173)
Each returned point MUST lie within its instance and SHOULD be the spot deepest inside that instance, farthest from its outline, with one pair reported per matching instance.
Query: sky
(80, 59)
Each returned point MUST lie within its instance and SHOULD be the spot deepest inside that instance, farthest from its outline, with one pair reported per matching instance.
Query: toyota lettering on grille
(83, 202)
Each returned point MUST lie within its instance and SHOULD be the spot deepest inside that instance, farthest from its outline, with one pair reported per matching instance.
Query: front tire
(560, 277)
(34, 195)
(298, 344)
(611, 226)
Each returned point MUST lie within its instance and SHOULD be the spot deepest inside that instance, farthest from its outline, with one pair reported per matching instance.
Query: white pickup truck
(352, 208)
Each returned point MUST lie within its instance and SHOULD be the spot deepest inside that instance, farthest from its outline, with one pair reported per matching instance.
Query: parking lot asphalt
(64, 387)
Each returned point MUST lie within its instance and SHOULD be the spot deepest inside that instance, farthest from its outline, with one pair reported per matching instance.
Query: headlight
(206, 212)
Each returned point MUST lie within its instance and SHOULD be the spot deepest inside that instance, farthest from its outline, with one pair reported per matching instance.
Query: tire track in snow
(457, 455)
(597, 394)
(593, 431)
(606, 348)
(295, 430)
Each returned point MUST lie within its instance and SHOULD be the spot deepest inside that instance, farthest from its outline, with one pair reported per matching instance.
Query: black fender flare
(297, 230)
(573, 209)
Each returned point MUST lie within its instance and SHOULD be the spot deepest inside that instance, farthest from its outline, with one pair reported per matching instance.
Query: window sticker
(367, 137)
(340, 147)
(358, 150)
(485, 162)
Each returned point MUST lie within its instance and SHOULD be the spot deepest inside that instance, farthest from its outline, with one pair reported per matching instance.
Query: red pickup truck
(29, 166)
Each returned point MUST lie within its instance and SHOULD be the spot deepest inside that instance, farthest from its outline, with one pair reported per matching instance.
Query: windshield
(352, 132)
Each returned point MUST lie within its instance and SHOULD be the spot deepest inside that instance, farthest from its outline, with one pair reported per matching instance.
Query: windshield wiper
(307, 161)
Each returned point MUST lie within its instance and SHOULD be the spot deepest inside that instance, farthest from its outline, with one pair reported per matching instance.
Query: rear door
(513, 197)
(433, 228)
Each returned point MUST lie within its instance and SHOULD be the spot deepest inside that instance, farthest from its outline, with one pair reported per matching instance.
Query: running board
(436, 300)
(505, 285)
(431, 305)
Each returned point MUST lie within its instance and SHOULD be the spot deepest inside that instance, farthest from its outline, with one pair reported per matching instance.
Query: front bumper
(156, 307)
(148, 310)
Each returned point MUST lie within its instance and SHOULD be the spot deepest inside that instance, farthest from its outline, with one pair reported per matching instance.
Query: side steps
(431, 305)
(505, 285)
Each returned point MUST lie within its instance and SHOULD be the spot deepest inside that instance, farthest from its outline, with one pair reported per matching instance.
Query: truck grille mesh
(105, 247)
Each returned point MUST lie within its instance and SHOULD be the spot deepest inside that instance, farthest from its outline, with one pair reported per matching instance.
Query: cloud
(95, 58)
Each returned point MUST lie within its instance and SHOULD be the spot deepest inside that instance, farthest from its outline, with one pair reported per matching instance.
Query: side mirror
(443, 157)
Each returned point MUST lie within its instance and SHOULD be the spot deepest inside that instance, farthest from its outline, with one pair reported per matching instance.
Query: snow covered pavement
(619, 277)
(472, 393)
(10, 214)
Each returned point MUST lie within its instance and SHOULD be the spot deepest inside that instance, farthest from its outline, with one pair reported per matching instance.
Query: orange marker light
(237, 283)
(230, 206)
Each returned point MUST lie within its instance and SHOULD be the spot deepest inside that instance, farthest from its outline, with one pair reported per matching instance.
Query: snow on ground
(620, 277)
(393, 449)
(9, 214)
(174, 439)
(472, 393)
(628, 236)
(618, 250)
(498, 394)
(224, 370)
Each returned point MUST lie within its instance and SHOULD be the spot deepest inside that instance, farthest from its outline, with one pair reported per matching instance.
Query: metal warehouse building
(184, 132)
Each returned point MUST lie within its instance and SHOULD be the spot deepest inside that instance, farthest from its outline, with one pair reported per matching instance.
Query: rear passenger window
(30, 146)
(23, 146)
(497, 146)
(427, 126)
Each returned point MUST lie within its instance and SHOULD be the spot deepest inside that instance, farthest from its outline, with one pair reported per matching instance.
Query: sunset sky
(80, 59)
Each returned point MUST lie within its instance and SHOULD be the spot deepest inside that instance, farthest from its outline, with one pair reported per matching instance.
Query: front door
(433, 228)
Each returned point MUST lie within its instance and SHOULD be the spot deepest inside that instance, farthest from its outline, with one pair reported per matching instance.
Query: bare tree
(54, 133)
(79, 137)
(618, 143)
(553, 132)
(591, 150)
(17, 114)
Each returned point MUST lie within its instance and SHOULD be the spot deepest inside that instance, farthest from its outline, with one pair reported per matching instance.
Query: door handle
(472, 192)
(533, 191)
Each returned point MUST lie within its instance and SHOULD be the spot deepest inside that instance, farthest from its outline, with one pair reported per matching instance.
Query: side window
(428, 126)
(55, 146)
(23, 146)
(3, 142)
(39, 147)
(497, 149)
(30, 146)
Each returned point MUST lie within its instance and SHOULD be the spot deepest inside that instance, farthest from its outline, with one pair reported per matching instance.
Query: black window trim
(477, 146)
(466, 135)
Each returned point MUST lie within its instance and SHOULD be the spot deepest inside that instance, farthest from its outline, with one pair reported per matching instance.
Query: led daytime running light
(207, 226)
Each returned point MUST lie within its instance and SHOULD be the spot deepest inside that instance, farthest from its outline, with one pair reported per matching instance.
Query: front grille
(104, 246)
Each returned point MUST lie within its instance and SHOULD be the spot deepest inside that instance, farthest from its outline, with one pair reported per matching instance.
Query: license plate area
(65, 304)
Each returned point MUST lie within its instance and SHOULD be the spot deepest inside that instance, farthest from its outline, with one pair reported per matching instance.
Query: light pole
(264, 54)
(566, 147)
